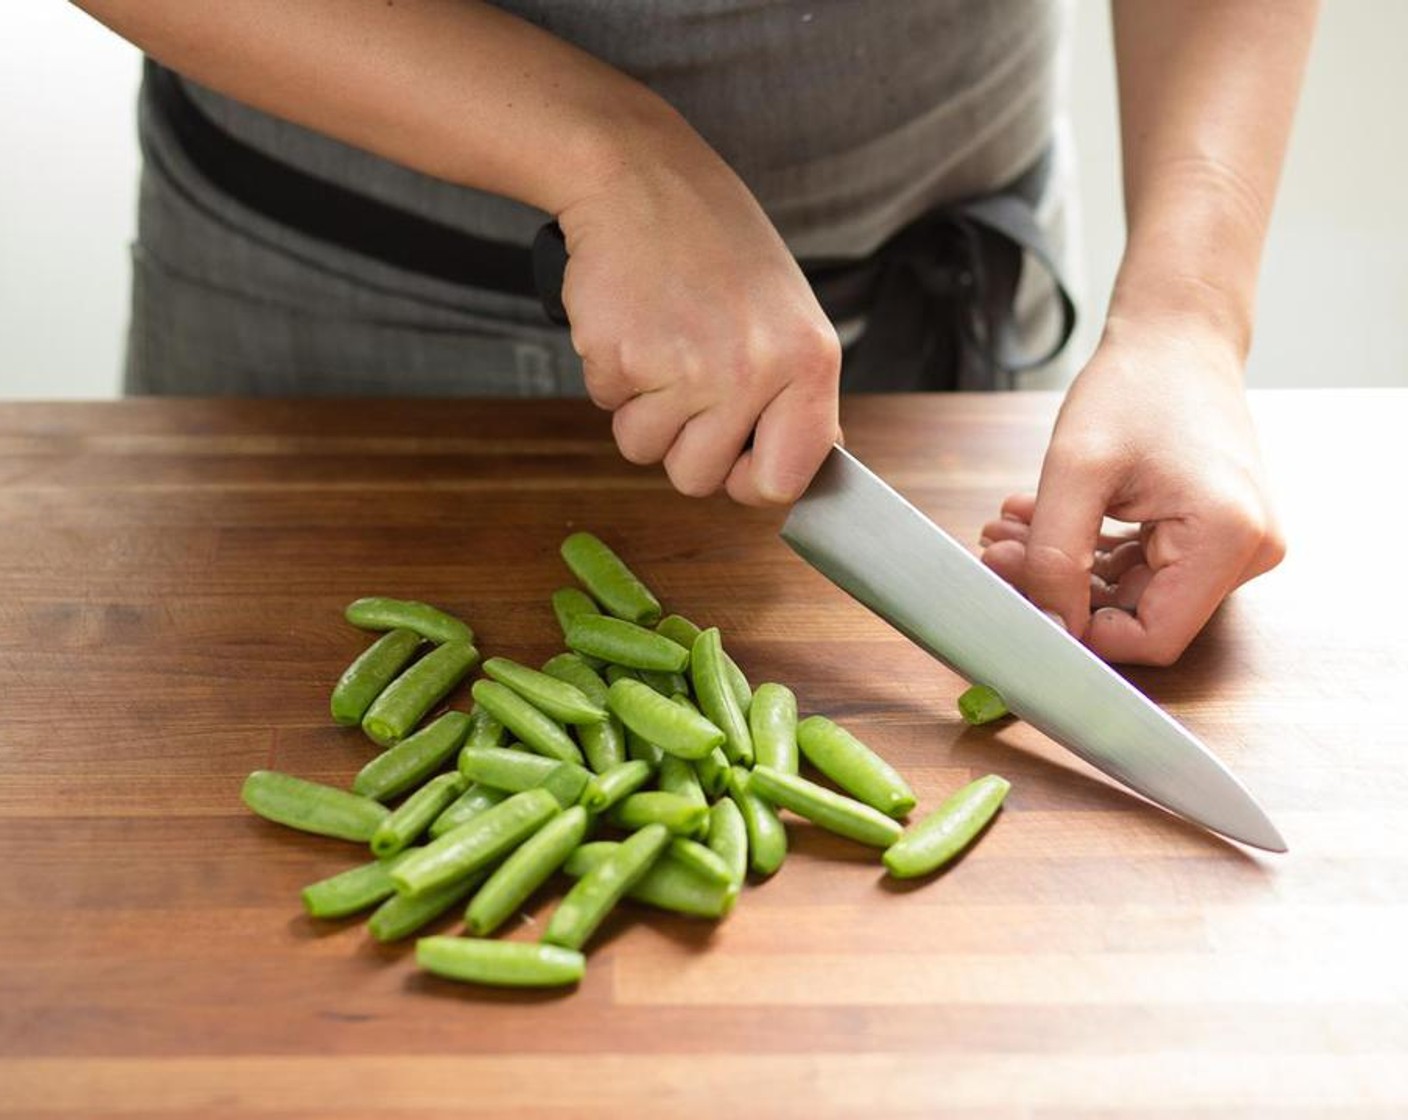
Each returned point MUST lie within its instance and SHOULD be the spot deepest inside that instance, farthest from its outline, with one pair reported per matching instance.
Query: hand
(696, 327)
(1154, 432)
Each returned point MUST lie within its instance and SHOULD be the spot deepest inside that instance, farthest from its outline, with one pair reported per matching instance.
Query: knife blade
(867, 539)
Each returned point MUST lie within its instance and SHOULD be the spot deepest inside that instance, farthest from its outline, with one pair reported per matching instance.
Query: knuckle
(1048, 564)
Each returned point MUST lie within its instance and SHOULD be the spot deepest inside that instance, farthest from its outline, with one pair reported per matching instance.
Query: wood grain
(174, 573)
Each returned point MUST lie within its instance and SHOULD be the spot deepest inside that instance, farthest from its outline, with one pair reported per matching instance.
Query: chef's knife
(873, 544)
(864, 537)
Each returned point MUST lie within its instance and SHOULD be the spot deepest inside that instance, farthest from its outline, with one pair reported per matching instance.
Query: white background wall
(1334, 300)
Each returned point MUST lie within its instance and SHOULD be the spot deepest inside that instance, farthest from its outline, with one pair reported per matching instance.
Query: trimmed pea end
(380, 732)
(980, 704)
(384, 847)
(344, 718)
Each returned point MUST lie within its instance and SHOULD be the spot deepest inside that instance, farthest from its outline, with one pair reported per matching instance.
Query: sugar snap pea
(527, 869)
(680, 629)
(568, 602)
(613, 673)
(716, 699)
(381, 613)
(641, 749)
(680, 815)
(351, 890)
(712, 771)
(414, 815)
(844, 816)
(403, 914)
(678, 777)
(981, 704)
(608, 580)
(610, 786)
(670, 726)
(767, 837)
(503, 964)
(312, 806)
(485, 729)
(708, 863)
(668, 885)
(475, 844)
(666, 684)
(469, 804)
(537, 729)
(502, 768)
(556, 698)
(624, 643)
(405, 700)
(594, 895)
(603, 743)
(728, 838)
(853, 766)
(946, 831)
(413, 759)
(376, 667)
(772, 720)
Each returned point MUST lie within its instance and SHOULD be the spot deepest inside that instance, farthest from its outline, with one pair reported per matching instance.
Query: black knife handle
(549, 267)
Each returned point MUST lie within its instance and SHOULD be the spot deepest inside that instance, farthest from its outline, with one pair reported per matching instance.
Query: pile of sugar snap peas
(645, 724)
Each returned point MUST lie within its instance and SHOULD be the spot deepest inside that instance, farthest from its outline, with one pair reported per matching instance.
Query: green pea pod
(666, 684)
(946, 831)
(350, 891)
(403, 914)
(610, 786)
(641, 749)
(678, 777)
(608, 580)
(854, 767)
(613, 673)
(981, 704)
(527, 869)
(670, 726)
(363, 681)
(624, 643)
(772, 720)
(469, 805)
(414, 759)
(603, 743)
(475, 844)
(311, 806)
(716, 699)
(767, 837)
(587, 904)
(538, 730)
(414, 815)
(668, 885)
(705, 861)
(712, 771)
(404, 702)
(501, 964)
(519, 770)
(381, 613)
(678, 814)
(485, 729)
(728, 839)
(563, 702)
(844, 816)
(680, 629)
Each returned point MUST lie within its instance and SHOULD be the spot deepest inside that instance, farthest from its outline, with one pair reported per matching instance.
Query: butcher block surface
(172, 577)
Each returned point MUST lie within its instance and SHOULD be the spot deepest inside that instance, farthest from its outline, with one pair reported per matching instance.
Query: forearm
(1207, 93)
(452, 88)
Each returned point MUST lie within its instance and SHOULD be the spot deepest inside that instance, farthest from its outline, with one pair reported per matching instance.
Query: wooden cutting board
(173, 577)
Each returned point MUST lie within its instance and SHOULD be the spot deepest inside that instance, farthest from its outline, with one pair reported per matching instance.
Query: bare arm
(1155, 429)
(695, 326)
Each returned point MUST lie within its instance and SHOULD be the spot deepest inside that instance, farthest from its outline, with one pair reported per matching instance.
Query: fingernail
(1056, 618)
(1013, 518)
(984, 542)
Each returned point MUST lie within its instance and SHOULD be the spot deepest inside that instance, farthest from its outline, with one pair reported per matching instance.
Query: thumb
(1060, 549)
